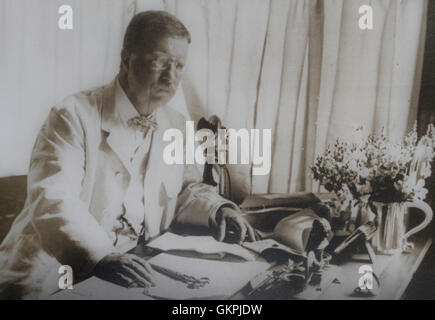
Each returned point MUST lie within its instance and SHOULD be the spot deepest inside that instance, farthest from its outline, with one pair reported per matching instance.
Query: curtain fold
(41, 64)
(301, 68)
(305, 70)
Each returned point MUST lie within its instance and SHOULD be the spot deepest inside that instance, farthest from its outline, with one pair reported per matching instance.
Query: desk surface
(395, 273)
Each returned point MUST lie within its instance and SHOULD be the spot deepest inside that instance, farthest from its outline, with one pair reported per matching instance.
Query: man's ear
(125, 60)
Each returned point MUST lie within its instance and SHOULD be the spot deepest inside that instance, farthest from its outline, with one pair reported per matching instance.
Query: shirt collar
(123, 105)
(125, 108)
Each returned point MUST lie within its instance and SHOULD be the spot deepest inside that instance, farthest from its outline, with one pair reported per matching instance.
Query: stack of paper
(205, 246)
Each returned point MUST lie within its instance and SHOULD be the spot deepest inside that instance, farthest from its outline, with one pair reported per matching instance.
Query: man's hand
(230, 221)
(126, 270)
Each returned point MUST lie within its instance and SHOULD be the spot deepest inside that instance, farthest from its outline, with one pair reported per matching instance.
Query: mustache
(167, 83)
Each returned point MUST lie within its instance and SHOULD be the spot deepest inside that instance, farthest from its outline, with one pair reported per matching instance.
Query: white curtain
(41, 64)
(305, 70)
(301, 68)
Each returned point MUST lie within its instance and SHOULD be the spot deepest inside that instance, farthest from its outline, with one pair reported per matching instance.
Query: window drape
(302, 68)
(305, 70)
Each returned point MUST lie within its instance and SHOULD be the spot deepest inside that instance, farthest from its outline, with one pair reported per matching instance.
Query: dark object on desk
(297, 221)
(300, 239)
(342, 249)
(274, 200)
(364, 232)
(289, 279)
(303, 232)
(283, 282)
(294, 236)
(190, 281)
(264, 211)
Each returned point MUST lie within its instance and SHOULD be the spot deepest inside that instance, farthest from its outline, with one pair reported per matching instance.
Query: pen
(191, 281)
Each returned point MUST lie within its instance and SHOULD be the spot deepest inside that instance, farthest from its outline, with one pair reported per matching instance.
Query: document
(204, 246)
(97, 289)
(224, 278)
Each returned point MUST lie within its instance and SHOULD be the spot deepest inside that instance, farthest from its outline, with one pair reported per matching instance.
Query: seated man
(97, 182)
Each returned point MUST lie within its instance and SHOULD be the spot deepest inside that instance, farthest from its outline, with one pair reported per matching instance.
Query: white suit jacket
(77, 180)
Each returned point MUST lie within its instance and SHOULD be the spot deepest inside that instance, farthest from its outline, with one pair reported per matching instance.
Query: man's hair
(147, 27)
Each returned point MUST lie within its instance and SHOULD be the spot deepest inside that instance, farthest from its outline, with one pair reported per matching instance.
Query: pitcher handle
(427, 210)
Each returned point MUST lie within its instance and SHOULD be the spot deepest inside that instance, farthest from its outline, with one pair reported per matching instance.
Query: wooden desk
(338, 282)
(395, 273)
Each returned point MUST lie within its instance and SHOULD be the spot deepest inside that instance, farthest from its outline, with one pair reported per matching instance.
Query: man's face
(154, 75)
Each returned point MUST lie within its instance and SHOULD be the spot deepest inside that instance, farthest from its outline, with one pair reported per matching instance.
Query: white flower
(358, 133)
(365, 172)
(421, 194)
(376, 161)
(353, 165)
(420, 151)
(395, 153)
(412, 179)
(425, 170)
(420, 184)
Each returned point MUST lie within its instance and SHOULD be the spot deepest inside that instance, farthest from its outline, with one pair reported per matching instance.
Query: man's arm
(57, 168)
(64, 225)
(200, 204)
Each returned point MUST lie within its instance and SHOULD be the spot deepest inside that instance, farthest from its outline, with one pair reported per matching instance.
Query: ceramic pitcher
(392, 221)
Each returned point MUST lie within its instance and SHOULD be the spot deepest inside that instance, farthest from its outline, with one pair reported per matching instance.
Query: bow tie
(143, 123)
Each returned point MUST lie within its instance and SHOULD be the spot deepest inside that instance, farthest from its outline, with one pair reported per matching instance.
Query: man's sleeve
(65, 228)
(198, 202)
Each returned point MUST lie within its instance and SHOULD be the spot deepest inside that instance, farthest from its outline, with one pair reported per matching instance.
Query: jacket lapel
(118, 138)
(156, 172)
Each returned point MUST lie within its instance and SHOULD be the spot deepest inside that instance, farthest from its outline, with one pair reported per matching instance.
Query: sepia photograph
(228, 150)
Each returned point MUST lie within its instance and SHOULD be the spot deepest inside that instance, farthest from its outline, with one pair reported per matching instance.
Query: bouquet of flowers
(377, 168)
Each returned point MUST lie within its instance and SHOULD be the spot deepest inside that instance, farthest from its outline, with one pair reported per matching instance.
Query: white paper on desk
(96, 289)
(204, 245)
(261, 246)
(226, 278)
